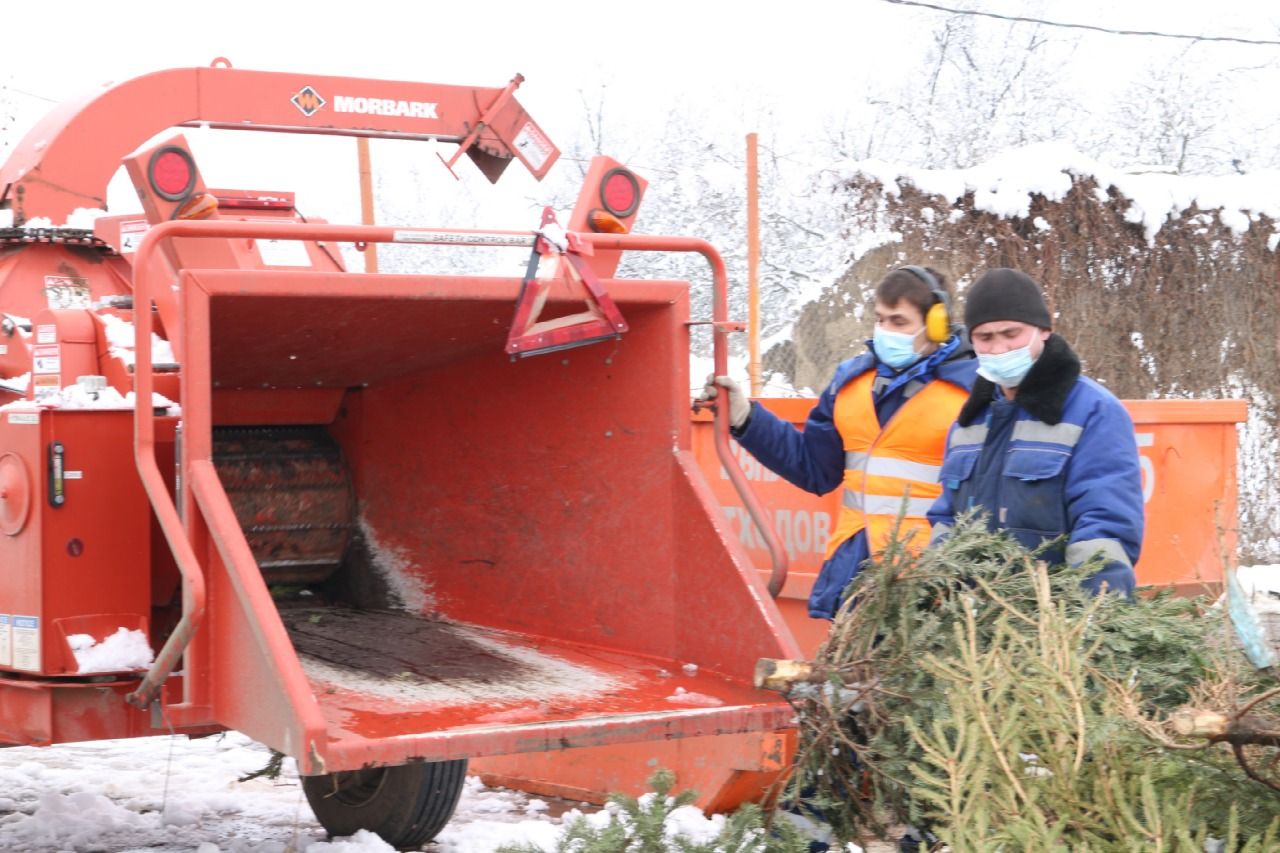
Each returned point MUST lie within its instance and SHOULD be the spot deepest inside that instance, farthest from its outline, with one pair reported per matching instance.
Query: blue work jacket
(1060, 458)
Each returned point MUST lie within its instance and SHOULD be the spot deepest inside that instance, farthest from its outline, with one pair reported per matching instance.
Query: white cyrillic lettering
(804, 531)
(821, 532)
(1146, 439)
(782, 524)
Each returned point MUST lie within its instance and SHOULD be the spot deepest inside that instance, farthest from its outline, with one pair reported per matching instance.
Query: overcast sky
(799, 60)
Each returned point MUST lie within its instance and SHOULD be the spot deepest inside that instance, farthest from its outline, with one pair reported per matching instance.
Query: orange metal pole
(366, 201)
(753, 266)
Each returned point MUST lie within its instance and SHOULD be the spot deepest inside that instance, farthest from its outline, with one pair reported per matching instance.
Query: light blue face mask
(895, 348)
(1007, 369)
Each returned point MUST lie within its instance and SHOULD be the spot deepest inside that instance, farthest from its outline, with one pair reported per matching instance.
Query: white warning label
(6, 642)
(283, 253)
(26, 643)
(46, 334)
(45, 386)
(46, 360)
(533, 146)
(65, 291)
(131, 234)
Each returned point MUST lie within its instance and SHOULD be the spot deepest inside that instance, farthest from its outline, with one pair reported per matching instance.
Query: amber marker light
(199, 206)
(605, 222)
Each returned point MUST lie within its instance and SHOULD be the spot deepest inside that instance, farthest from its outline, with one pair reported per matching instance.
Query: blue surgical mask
(895, 348)
(1007, 369)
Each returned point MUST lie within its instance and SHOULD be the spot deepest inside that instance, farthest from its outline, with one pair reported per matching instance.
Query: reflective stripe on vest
(882, 465)
(885, 505)
(886, 467)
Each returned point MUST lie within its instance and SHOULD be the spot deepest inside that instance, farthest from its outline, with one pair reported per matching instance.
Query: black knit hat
(1005, 294)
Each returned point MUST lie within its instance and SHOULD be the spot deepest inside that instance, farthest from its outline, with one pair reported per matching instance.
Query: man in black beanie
(1044, 450)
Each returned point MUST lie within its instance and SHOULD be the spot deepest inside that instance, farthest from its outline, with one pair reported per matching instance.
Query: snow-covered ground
(175, 795)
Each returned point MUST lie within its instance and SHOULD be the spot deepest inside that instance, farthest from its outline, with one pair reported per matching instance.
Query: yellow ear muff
(937, 323)
(937, 320)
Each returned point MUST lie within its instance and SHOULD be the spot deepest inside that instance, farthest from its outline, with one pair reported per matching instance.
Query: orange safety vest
(883, 464)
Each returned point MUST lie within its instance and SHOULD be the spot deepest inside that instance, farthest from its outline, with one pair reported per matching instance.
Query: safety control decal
(533, 145)
(46, 359)
(45, 386)
(131, 234)
(46, 333)
(6, 642)
(26, 643)
(24, 418)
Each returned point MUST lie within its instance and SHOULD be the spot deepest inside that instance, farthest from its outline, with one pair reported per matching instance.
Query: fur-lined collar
(1043, 393)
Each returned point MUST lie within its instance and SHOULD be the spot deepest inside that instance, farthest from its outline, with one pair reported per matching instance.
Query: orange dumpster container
(1188, 457)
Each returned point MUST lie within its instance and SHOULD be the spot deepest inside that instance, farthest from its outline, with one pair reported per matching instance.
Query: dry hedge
(1191, 313)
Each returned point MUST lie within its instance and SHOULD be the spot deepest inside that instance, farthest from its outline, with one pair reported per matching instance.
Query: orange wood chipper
(346, 514)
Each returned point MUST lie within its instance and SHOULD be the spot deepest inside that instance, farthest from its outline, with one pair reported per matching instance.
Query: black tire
(407, 805)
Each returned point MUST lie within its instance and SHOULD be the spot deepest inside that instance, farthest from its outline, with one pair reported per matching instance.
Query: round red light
(173, 174)
(620, 192)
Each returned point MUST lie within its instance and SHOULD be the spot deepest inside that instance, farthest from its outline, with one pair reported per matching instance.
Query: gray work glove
(739, 405)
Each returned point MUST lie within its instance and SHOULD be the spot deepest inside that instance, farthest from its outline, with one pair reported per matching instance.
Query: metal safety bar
(721, 327)
(146, 291)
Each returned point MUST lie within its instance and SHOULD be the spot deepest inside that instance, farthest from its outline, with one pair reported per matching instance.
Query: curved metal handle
(721, 328)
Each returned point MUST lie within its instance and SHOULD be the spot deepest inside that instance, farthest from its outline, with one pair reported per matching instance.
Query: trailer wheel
(407, 805)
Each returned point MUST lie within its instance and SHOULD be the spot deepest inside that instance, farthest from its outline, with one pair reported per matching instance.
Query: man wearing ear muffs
(1043, 449)
(879, 428)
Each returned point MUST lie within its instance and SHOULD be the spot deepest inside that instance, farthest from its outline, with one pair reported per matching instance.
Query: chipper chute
(354, 527)
(562, 569)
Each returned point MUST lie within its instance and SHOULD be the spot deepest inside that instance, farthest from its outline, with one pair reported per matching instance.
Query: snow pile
(363, 841)
(1262, 585)
(161, 794)
(83, 218)
(398, 569)
(489, 818)
(178, 795)
(121, 651)
(701, 700)
(74, 821)
(122, 341)
(16, 384)
(1005, 184)
(80, 397)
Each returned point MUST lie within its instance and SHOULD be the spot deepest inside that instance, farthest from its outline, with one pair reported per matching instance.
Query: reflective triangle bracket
(601, 321)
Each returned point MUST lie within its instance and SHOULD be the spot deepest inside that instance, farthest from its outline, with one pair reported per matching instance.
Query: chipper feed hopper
(348, 518)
